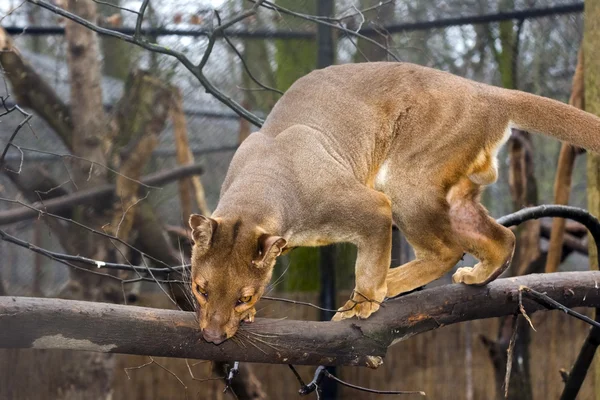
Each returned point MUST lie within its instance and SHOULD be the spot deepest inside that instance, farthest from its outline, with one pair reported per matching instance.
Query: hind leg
(481, 236)
(422, 214)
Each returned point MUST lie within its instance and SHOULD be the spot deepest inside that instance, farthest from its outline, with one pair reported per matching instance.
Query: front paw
(360, 306)
(249, 316)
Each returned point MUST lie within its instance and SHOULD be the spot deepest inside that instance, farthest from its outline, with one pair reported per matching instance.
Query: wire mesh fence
(276, 48)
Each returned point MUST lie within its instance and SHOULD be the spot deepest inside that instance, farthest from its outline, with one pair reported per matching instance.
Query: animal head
(232, 263)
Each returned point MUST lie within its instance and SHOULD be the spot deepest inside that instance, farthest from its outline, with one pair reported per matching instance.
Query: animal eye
(244, 299)
(200, 290)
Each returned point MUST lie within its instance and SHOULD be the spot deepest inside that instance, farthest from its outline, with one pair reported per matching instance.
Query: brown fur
(349, 149)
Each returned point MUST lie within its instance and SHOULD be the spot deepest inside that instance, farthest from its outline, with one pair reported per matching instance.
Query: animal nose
(214, 336)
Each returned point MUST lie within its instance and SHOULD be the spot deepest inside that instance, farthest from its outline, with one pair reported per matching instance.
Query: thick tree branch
(63, 203)
(33, 92)
(50, 323)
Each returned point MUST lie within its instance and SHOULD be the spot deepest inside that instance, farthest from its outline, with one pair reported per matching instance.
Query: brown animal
(347, 150)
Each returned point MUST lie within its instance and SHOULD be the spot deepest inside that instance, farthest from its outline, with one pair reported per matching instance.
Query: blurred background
(142, 91)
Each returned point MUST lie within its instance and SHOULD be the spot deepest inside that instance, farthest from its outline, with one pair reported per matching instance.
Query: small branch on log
(63, 324)
(104, 192)
(551, 303)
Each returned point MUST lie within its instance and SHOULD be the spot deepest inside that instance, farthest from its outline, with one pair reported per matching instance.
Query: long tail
(550, 117)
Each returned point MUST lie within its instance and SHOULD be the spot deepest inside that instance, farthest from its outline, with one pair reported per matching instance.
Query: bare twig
(221, 28)
(321, 372)
(247, 69)
(153, 361)
(312, 18)
(547, 301)
(509, 354)
(88, 261)
(181, 57)
(63, 203)
(105, 3)
(139, 20)
(12, 10)
(522, 309)
(15, 132)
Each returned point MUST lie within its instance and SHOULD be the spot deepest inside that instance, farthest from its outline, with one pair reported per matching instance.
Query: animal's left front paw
(249, 317)
(359, 306)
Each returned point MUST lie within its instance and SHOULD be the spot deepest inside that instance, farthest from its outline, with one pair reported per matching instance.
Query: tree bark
(90, 123)
(109, 328)
(591, 71)
(33, 92)
(90, 135)
(141, 117)
(185, 157)
(564, 171)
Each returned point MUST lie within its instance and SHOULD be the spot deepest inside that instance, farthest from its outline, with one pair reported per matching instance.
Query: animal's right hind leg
(481, 236)
(424, 220)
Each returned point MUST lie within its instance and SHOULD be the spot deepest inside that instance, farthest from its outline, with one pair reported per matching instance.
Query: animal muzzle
(212, 335)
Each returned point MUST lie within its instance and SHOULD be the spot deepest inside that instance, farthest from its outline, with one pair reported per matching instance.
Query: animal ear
(202, 230)
(269, 248)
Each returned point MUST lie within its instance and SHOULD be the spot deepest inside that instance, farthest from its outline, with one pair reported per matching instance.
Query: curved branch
(77, 325)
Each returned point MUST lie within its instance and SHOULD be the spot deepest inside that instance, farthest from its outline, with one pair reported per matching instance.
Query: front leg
(374, 244)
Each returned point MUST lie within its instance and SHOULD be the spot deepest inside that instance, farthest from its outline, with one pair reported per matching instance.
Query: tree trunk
(523, 187)
(564, 171)
(591, 71)
(87, 131)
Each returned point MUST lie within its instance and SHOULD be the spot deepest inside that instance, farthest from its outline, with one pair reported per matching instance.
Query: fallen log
(78, 325)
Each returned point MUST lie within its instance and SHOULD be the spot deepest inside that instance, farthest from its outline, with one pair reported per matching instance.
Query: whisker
(249, 340)
(263, 334)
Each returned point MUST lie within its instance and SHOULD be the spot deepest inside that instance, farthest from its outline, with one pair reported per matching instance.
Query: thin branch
(12, 137)
(247, 69)
(104, 192)
(140, 18)
(271, 6)
(105, 3)
(4, 236)
(92, 163)
(322, 372)
(509, 354)
(221, 28)
(364, 389)
(547, 301)
(185, 61)
(153, 361)
(269, 34)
